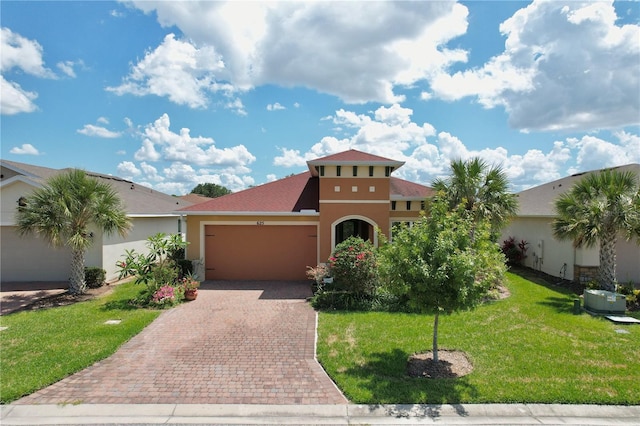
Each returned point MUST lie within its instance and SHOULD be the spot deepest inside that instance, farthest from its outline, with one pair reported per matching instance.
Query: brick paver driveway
(238, 343)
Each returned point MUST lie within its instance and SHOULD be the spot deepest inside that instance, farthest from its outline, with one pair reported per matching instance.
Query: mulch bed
(450, 365)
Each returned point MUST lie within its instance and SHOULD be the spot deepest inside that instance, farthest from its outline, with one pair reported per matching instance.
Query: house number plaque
(260, 222)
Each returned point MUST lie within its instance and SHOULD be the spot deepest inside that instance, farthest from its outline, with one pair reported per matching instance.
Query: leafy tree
(439, 265)
(481, 189)
(596, 210)
(211, 190)
(62, 212)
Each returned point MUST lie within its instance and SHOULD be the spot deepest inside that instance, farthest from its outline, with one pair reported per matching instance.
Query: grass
(42, 347)
(526, 348)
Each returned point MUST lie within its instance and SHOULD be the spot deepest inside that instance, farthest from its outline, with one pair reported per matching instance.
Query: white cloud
(98, 131)
(68, 67)
(128, 170)
(151, 172)
(159, 142)
(236, 106)
(275, 107)
(25, 149)
(14, 99)
(25, 55)
(147, 152)
(566, 66)
(176, 69)
(357, 51)
(391, 133)
(20, 52)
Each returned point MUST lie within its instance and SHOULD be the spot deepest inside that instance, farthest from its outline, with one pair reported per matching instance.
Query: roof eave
(246, 213)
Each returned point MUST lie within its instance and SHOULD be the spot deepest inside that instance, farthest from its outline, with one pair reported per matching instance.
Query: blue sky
(172, 94)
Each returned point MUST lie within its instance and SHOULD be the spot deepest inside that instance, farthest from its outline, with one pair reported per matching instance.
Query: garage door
(251, 252)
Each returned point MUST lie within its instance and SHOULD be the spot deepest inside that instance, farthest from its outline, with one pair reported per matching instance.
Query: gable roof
(539, 201)
(138, 200)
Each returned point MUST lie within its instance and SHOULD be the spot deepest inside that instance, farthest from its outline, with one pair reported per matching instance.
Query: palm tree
(62, 211)
(483, 190)
(595, 211)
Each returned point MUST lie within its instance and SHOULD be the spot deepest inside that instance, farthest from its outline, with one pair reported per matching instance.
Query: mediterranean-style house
(560, 258)
(31, 259)
(276, 230)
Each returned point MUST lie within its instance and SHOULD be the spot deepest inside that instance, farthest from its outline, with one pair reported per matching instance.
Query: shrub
(514, 252)
(94, 276)
(156, 269)
(185, 267)
(354, 267)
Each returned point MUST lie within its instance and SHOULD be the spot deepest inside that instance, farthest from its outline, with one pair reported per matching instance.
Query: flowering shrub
(167, 296)
(354, 267)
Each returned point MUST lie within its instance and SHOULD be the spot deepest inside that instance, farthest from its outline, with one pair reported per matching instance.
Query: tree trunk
(77, 284)
(435, 337)
(607, 269)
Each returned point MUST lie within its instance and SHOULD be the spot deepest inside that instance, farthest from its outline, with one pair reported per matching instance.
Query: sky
(171, 94)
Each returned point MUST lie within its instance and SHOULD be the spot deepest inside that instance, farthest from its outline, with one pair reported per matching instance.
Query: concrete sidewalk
(467, 414)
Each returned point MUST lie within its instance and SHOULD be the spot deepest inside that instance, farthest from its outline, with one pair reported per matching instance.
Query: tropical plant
(157, 267)
(65, 209)
(597, 209)
(439, 266)
(481, 189)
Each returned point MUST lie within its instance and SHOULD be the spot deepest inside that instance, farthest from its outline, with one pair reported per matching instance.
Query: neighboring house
(276, 230)
(30, 258)
(560, 258)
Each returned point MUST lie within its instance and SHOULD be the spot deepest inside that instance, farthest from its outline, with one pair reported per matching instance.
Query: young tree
(62, 211)
(594, 211)
(211, 190)
(481, 189)
(439, 265)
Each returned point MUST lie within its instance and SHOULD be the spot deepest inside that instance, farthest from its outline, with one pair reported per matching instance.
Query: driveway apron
(238, 343)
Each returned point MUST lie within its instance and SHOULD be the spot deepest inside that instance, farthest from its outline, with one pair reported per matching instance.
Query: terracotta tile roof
(401, 189)
(290, 194)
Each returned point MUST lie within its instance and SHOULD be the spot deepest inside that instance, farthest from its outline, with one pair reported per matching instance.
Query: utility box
(604, 302)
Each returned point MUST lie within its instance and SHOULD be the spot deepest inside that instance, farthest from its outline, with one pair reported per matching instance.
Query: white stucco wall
(31, 259)
(113, 247)
(556, 253)
(545, 253)
(627, 261)
(9, 200)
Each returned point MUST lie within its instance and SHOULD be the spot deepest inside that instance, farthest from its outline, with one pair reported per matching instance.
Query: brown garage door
(251, 252)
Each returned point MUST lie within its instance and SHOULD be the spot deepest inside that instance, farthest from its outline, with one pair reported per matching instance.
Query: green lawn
(42, 347)
(526, 348)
